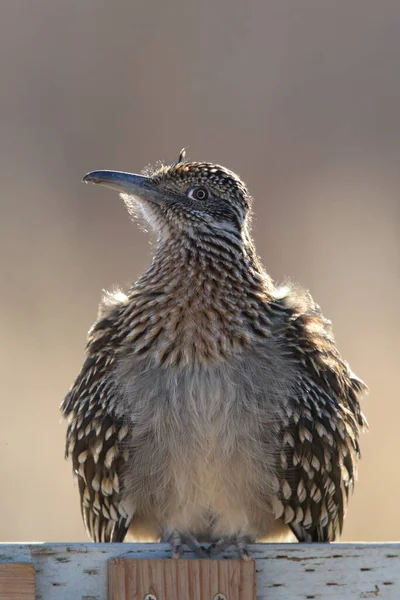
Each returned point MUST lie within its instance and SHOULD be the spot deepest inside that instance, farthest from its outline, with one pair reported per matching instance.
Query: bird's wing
(96, 439)
(319, 440)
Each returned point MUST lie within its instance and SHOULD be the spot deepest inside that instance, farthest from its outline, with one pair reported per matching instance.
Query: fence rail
(284, 571)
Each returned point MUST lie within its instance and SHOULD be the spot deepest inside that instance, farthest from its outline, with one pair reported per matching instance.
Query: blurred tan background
(300, 97)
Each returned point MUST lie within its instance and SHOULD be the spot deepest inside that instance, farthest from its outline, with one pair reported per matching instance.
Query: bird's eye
(198, 193)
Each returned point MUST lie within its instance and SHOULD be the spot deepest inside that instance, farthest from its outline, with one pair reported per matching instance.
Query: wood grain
(284, 571)
(168, 579)
(17, 581)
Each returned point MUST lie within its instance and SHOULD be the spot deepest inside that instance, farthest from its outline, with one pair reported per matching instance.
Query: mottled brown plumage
(212, 405)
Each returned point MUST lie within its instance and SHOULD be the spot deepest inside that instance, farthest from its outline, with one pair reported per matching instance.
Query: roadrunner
(213, 406)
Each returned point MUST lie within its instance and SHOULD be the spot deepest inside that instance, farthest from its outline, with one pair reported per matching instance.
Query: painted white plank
(284, 571)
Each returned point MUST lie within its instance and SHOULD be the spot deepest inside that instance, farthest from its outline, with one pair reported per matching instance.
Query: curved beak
(126, 183)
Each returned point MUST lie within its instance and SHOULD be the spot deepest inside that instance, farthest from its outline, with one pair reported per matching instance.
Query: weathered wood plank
(17, 581)
(284, 571)
(166, 579)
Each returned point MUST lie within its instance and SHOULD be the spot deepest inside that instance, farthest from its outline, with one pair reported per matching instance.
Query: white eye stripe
(198, 193)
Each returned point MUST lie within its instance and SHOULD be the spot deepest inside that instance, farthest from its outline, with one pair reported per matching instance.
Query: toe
(220, 545)
(244, 555)
(175, 539)
(176, 551)
(195, 546)
(178, 541)
(241, 544)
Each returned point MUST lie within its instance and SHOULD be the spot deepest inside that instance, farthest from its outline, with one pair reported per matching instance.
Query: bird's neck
(217, 265)
(198, 301)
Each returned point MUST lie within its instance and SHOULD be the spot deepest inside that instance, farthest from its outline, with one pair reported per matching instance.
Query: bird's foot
(178, 540)
(239, 542)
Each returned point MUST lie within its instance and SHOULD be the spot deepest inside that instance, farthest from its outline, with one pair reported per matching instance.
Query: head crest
(182, 155)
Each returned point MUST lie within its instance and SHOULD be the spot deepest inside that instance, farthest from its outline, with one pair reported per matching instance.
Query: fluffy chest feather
(204, 440)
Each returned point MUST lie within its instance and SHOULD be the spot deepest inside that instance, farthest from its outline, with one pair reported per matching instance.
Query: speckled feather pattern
(211, 402)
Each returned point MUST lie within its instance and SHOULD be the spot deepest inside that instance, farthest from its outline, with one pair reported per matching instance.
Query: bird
(213, 408)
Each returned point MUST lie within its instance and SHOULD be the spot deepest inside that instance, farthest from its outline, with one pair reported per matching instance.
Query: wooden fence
(281, 572)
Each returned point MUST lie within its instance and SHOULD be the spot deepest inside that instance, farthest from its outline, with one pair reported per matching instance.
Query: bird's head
(185, 197)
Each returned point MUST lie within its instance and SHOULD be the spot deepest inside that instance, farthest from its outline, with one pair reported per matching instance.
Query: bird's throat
(195, 302)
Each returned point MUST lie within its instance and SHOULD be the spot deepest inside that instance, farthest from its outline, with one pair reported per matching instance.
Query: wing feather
(320, 437)
(97, 438)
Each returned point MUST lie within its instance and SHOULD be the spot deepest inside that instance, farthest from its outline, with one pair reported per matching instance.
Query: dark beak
(126, 183)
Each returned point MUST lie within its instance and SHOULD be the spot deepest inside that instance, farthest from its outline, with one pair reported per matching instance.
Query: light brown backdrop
(301, 97)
